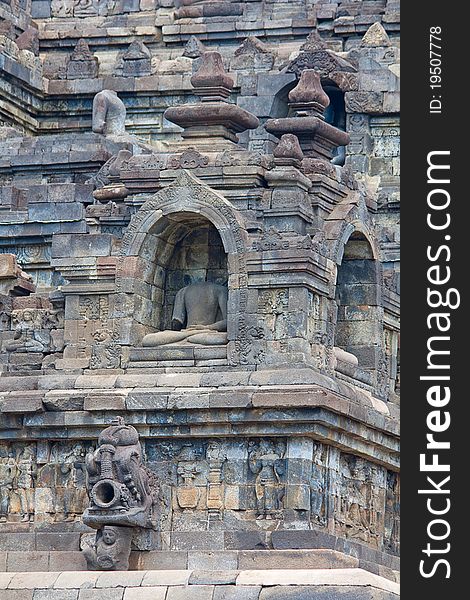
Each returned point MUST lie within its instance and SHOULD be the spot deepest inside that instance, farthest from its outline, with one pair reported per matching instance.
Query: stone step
(303, 584)
(234, 560)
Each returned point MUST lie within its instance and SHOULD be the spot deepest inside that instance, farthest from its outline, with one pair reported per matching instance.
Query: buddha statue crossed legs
(199, 317)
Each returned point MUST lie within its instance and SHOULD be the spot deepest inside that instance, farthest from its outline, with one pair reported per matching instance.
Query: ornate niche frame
(350, 217)
(186, 194)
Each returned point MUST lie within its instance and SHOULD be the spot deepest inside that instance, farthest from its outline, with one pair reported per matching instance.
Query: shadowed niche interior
(358, 328)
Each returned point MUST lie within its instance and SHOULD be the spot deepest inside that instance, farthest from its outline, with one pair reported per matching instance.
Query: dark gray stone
(325, 593)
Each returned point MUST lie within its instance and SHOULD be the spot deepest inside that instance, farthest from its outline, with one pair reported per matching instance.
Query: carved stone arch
(331, 67)
(349, 216)
(356, 293)
(185, 196)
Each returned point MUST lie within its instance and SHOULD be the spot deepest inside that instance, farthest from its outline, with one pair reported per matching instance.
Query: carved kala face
(109, 537)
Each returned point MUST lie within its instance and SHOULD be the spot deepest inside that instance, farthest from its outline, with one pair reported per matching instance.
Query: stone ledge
(288, 556)
(181, 585)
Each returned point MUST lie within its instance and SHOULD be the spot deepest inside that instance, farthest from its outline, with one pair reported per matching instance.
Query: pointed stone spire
(82, 51)
(211, 81)
(313, 42)
(252, 45)
(137, 50)
(82, 64)
(288, 151)
(213, 119)
(307, 103)
(137, 60)
(376, 36)
(308, 94)
(194, 48)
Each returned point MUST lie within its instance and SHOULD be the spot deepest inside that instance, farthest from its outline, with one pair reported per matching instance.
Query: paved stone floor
(305, 584)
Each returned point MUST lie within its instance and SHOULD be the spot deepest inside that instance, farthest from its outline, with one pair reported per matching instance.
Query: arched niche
(359, 321)
(156, 257)
(188, 249)
(335, 114)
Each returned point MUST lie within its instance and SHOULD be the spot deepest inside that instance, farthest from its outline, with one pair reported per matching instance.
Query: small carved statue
(117, 482)
(199, 317)
(110, 550)
(109, 113)
(120, 496)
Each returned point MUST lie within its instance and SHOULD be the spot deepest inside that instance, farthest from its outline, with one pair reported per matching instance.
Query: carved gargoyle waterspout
(120, 496)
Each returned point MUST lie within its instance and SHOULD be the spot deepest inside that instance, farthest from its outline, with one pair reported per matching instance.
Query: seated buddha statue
(199, 317)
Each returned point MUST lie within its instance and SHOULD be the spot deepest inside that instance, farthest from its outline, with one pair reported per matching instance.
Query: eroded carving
(266, 461)
(109, 113)
(199, 317)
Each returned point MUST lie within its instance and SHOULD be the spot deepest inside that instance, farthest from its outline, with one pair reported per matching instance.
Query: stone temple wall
(253, 145)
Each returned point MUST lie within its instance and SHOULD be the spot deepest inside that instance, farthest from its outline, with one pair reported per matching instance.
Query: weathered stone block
(33, 581)
(58, 541)
(282, 540)
(159, 560)
(197, 540)
(198, 592)
(103, 594)
(56, 594)
(169, 578)
(324, 593)
(17, 594)
(146, 400)
(145, 593)
(74, 562)
(236, 592)
(28, 561)
(119, 579)
(210, 561)
(71, 400)
(105, 401)
(246, 540)
(213, 577)
(13, 541)
(23, 402)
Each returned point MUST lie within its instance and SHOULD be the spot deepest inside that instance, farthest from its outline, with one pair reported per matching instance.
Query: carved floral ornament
(274, 240)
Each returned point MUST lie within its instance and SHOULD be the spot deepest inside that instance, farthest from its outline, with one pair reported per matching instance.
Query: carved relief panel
(360, 500)
(42, 481)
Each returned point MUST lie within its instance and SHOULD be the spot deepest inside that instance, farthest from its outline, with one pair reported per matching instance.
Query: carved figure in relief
(110, 550)
(265, 461)
(7, 476)
(117, 482)
(85, 8)
(25, 475)
(120, 496)
(317, 489)
(28, 336)
(105, 352)
(216, 455)
(188, 469)
(188, 494)
(109, 113)
(71, 469)
(199, 317)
